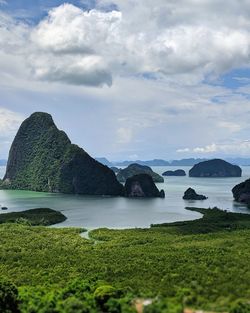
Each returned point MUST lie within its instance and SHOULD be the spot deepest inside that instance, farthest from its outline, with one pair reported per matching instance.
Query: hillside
(42, 158)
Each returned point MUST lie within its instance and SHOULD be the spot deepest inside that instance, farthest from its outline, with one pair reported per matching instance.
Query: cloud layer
(162, 60)
(184, 43)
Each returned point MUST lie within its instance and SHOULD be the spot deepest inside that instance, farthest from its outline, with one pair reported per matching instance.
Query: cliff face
(241, 192)
(142, 186)
(215, 168)
(42, 158)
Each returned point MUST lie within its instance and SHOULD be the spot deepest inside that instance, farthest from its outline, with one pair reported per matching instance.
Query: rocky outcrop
(215, 168)
(42, 158)
(174, 173)
(136, 169)
(241, 192)
(142, 186)
(190, 194)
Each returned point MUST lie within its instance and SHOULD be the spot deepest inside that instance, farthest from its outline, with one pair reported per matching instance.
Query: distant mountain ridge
(181, 162)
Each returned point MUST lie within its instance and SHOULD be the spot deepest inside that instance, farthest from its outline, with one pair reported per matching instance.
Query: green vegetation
(8, 297)
(42, 158)
(213, 220)
(56, 270)
(136, 169)
(34, 217)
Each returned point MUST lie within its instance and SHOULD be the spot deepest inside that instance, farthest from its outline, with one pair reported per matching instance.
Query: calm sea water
(117, 212)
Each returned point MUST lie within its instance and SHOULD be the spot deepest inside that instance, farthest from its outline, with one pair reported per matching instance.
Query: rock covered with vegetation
(241, 192)
(135, 169)
(215, 168)
(34, 217)
(190, 194)
(42, 158)
(174, 173)
(142, 185)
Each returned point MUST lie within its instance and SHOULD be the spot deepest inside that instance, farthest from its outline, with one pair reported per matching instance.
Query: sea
(117, 212)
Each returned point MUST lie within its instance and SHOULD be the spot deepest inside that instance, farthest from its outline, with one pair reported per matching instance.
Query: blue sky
(130, 79)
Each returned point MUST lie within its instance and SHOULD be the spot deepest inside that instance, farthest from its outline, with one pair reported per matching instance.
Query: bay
(117, 212)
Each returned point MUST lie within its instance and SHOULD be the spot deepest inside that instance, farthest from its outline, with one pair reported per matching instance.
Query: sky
(127, 80)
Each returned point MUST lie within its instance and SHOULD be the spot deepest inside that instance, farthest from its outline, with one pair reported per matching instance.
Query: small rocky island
(42, 158)
(174, 173)
(190, 194)
(215, 168)
(142, 185)
(136, 169)
(241, 192)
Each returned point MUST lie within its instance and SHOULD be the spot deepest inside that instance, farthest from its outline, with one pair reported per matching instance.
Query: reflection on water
(118, 212)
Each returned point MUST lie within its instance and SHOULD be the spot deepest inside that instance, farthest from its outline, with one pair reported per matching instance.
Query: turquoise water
(117, 212)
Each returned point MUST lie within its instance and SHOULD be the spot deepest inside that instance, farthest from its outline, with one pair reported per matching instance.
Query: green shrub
(8, 297)
(74, 305)
(240, 306)
(103, 293)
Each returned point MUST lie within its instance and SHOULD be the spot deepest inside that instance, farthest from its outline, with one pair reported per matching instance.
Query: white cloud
(207, 149)
(230, 126)
(124, 135)
(183, 150)
(9, 122)
(238, 148)
(180, 42)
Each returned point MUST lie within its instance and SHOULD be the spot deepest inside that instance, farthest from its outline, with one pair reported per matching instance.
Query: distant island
(174, 173)
(215, 168)
(181, 162)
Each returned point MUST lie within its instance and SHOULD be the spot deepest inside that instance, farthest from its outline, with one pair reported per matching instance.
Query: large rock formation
(190, 194)
(241, 192)
(42, 158)
(142, 185)
(174, 173)
(136, 169)
(215, 168)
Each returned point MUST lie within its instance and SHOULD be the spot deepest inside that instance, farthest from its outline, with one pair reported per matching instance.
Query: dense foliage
(42, 158)
(213, 220)
(35, 217)
(174, 266)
